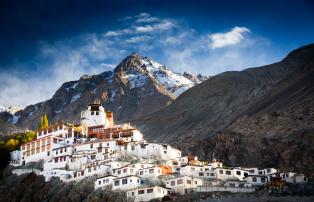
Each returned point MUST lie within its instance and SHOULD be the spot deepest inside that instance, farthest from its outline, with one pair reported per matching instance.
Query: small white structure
(15, 158)
(190, 170)
(150, 172)
(147, 193)
(126, 183)
(229, 186)
(230, 173)
(294, 178)
(256, 180)
(184, 184)
(267, 171)
(124, 171)
(150, 151)
(104, 181)
(95, 115)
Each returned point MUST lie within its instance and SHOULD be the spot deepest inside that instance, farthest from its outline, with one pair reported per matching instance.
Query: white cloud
(137, 39)
(165, 25)
(118, 32)
(235, 36)
(169, 41)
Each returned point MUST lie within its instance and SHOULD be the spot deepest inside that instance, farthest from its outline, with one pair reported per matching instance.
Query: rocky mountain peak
(137, 86)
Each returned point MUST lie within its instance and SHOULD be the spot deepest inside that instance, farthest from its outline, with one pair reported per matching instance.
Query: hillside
(137, 86)
(258, 116)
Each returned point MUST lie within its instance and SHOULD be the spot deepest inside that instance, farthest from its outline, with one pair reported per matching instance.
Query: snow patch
(72, 87)
(136, 81)
(15, 119)
(75, 97)
(173, 82)
(113, 94)
(2, 108)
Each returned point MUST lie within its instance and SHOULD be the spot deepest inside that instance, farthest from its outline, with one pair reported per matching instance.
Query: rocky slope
(256, 117)
(137, 86)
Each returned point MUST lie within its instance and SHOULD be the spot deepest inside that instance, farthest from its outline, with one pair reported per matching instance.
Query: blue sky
(43, 44)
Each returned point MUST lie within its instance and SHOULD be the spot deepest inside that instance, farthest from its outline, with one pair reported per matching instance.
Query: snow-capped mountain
(137, 86)
(144, 68)
(9, 114)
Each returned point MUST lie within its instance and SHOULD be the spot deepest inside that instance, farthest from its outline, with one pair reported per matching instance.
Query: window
(188, 181)
(91, 146)
(212, 174)
(201, 174)
(241, 185)
(231, 185)
(221, 172)
(93, 156)
(195, 182)
(141, 172)
(125, 170)
(268, 170)
(141, 191)
(119, 172)
(151, 170)
(97, 113)
(262, 179)
(260, 172)
(92, 113)
(254, 179)
(228, 172)
(238, 173)
(165, 152)
(116, 183)
(124, 181)
(99, 182)
(180, 181)
(150, 190)
(172, 183)
(89, 170)
(132, 193)
(251, 171)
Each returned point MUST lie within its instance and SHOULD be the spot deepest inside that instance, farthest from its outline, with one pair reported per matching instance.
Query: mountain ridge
(137, 86)
(256, 111)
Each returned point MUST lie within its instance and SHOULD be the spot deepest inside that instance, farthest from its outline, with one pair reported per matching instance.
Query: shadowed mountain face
(137, 86)
(256, 117)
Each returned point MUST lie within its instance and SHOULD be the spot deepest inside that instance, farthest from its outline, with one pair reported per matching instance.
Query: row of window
(37, 143)
(61, 150)
(94, 113)
(180, 181)
(123, 182)
(60, 159)
(228, 172)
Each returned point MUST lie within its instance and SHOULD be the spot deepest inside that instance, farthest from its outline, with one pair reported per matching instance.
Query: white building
(256, 180)
(150, 172)
(104, 181)
(191, 170)
(95, 115)
(147, 193)
(294, 178)
(124, 171)
(150, 151)
(126, 183)
(267, 171)
(183, 184)
(230, 173)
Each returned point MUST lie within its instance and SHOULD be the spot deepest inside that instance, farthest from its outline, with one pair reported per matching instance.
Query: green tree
(45, 121)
